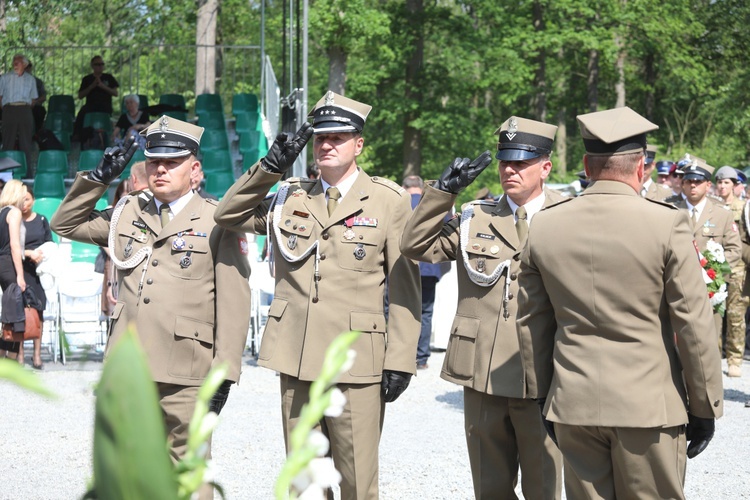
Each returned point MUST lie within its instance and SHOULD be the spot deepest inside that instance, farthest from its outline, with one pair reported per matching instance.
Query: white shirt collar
(176, 205)
(532, 207)
(343, 186)
(700, 206)
(646, 185)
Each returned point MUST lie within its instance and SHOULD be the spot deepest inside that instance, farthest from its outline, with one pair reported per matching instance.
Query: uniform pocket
(461, 347)
(190, 257)
(268, 343)
(361, 251)
(192, 350)
(370, 346)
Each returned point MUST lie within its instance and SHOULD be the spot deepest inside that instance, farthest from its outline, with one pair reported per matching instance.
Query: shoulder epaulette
(663, 203)
(478, 202)
(558, 203)
(675, 198)
(388, 183)
(212, 202)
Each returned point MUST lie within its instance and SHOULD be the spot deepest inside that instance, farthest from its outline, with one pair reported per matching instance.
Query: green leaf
(130, 453)
(12, 371)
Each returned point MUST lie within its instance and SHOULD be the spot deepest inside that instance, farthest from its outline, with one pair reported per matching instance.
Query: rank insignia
(359, 252)
(512, 128)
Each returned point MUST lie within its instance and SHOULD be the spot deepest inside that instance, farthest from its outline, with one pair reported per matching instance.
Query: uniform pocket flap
(367, 322)
(362, 234)
(117, 310)
(296, 225)
(277, 308)
(465, 327)
(189, 243)
(192, 329)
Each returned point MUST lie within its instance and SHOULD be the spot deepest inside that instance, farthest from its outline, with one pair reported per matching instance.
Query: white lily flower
(336, 406)
(323, 472)
(351, 355)
(313, 492)
(317, 440)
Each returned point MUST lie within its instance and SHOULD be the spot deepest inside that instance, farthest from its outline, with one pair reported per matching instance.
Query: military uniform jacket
(188, 318)
(483, 350)
(658, 192)
(357, 247)
(608, 281)
(717, 223)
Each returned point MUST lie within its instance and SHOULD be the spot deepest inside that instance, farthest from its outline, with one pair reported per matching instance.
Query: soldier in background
(503, 430)
(663, 173)
(620, 360)
(652, 190)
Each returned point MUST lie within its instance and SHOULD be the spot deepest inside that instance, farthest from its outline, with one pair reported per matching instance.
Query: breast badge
(359, 252)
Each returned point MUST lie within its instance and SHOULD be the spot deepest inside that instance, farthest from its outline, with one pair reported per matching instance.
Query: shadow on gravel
(736, 396)
(454, 399)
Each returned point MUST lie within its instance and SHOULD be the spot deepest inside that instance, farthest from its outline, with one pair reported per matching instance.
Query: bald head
(138, 177)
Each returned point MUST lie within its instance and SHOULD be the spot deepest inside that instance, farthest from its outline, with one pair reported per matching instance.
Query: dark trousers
(18, 123)
(428, 303)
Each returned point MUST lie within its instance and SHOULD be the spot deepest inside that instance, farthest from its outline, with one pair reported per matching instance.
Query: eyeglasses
(98, 64)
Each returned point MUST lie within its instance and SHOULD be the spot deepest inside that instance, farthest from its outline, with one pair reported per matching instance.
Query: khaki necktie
(333, 199)
(522, 225)
(164, 214)
(694, 218)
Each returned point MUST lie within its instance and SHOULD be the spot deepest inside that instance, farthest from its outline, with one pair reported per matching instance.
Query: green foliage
(12, 371)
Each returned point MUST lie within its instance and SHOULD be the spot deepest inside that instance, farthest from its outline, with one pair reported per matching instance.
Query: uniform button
(514, 276)
(196, 334)
(484, 249)
(155, 263)
(315, 300)
(146, 300)
(361, 237)
(516, 257)
(149, 281)
(158, 244)
(510, 296)
(325, 236)
(294, 226)
(374, 326)
(716, 403)
(322, 256)
(190, 246)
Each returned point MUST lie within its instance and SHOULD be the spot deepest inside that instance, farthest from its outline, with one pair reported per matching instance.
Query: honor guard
(615, 327)
(183, 280)
(503, 430)
(336, 240)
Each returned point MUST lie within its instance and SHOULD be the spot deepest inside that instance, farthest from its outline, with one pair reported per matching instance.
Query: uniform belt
(19, 103)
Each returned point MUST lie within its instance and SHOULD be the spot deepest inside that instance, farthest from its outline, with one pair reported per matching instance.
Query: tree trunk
(205, 39)
(412, 157)
(539, 100)
(561, 138)
(593, 80)
(337, 58)
(3, 22)
(620, 71)
(650, 78)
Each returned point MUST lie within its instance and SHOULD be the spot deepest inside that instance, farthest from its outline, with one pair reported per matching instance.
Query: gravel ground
(423, 453)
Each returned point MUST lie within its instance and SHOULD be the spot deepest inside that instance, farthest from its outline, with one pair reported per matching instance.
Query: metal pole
(304, 110)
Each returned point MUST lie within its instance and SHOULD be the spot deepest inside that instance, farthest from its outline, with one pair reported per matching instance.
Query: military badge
(359, 252)
(244, 247)
(186, 261)
(178, 243)
(128, 250)
(494, 249)
(292, 242)
(512, 128)
(349, 235)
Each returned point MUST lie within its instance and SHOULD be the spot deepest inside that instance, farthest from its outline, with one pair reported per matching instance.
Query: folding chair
(81, 319)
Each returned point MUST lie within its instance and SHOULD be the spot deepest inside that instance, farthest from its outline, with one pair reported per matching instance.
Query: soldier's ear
(586, 166)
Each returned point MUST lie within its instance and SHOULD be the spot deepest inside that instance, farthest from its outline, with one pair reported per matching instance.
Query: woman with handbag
(12, 238)
(37, 233)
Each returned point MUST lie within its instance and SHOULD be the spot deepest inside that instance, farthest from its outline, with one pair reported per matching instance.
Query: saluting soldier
(727, 179)
(653, 190)
(336, 240)
(709, 219)
(615, 326)
(183, 280)
(503, 430)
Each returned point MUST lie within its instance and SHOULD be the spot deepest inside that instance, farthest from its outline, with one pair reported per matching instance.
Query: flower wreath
(714, 266)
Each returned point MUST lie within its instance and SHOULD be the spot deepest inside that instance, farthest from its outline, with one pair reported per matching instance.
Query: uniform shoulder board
(388, 183)
(558, 203)
(664, 203)
(675, 198)
(212, 202)
(716, 199)
(477, 202)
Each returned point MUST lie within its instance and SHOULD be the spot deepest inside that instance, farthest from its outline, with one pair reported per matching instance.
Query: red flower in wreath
(711, 273)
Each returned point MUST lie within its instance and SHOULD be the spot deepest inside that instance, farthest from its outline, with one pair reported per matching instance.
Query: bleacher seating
(89, 159)
(247, 122)
(217, 183)
(52, 160)
(218, 160)
(208, 102)
(242, 103)
(139, 155)
(20, 157)
(212, 120)
(142, 103)
(214, 139)
(47, 207)
(49, 185)
(61, 103)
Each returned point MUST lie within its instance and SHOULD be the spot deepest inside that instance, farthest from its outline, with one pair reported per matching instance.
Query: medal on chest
(178, 243)
(359, 252)
(349, 233)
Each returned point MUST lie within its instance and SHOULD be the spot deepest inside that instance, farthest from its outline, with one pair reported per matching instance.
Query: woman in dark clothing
(131, 122)
(12, 234)
(37, 233)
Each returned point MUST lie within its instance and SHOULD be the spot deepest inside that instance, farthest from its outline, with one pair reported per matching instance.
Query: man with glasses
(98, 88)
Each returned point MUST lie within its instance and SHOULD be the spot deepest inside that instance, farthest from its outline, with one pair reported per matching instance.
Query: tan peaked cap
(336, 113)
(698, 168)
(523, 139)
(614, 131)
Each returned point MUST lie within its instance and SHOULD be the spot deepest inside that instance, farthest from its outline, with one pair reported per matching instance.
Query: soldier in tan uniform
(737, 303)
(336, 240)
(183, 281)
(615, 327)
(650, 189)
(503, 430)
(709, 219)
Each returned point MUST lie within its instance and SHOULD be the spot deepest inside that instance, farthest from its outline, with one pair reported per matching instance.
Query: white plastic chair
(81, 319)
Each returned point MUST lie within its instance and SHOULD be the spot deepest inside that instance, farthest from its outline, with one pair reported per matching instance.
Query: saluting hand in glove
(114, 161)
(462, 172)
(285, 149)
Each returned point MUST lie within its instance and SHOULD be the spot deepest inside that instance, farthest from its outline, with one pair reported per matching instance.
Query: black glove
(462, 172)
(548, 426)
(699, 433)
(220, 397)
(393, 384)
(285, 150)
(114, 161)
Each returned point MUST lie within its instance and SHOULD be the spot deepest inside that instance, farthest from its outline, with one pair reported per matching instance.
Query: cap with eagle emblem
(169, 137)
(523, 139)
(335, 113)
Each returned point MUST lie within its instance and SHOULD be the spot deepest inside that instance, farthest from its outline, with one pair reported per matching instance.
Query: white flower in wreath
(336, 406)
(716, 250)
(720, 296)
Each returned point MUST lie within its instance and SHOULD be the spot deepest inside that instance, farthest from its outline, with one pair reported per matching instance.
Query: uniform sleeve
(243, 209)
(231, 275)
(692, 320)
(732, 244)
(77, 219)
(536, 324)
(427, 236)
(404, 294)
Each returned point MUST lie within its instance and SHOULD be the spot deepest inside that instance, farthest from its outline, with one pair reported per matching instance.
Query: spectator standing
(624, 359)
(503, 429)
(17, 95)
(182, 280)
(336, 240)
(98, 88)
(37, 108)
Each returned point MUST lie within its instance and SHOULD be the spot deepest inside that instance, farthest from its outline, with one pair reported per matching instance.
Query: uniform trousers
(734, 347)
(354, 436)
(623, 462)
(18, 122)
(177, 406)
(502, 433)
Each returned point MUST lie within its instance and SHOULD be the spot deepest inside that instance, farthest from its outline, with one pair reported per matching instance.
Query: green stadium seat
(139, 155)
(89, 159)
(142, 103)
(47, 207)
(218, 160)
(247, 121)
(99, 121)
(176, 100)
(20, 157)
(52, 160)
(83, 252)
(61, 103)
(212, 120)
(49, 185)
(242, 103)
(208, 102)
(214, 139)
(217, 183)
(59, 121)
(180, 115)
(64, 138)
